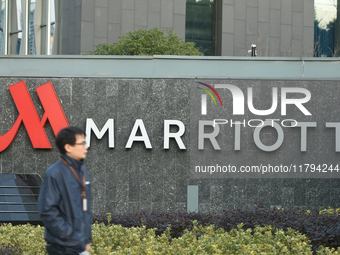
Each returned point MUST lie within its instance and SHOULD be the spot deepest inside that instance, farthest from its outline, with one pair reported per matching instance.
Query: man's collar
(76, 164)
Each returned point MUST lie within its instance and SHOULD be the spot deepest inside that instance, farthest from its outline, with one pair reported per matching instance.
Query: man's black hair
(67, 136)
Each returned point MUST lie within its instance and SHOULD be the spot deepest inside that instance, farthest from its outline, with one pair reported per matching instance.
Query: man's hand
(87, 247)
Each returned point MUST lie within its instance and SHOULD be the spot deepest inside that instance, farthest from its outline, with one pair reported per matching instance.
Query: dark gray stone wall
(127, 180)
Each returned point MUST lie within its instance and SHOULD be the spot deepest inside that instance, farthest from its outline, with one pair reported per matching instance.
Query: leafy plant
(8, 249)
(329, 211)
(249, 231)
(26, 238)
(147, 42)
(321, 229)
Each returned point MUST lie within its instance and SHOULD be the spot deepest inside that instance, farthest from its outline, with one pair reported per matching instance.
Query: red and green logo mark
(204, 97)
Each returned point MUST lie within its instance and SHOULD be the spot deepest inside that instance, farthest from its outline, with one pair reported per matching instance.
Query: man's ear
(67, 147)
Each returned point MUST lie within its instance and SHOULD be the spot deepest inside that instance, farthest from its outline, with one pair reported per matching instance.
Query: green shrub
(320, 226)
(329, 211)
(147, 42)
(115, 239)
(29, 238)
(8, 249)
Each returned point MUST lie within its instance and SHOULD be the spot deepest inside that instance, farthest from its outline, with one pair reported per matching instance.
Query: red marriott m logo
(29, 117)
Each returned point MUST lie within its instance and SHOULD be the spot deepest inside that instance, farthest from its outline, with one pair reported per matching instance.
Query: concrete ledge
(170, 67)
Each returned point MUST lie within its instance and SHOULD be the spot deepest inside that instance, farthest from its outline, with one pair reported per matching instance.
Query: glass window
(2, 27)
(52, 13)
(31, 41)
(19, 26)
(19, 197)
(200, 25)
(16, 26)
(326, 28)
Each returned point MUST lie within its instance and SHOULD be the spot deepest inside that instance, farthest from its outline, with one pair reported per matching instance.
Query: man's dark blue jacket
(60, 205)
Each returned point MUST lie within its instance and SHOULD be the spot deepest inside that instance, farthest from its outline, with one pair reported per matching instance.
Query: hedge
(248, 231)
(322, 227)
(115, 239)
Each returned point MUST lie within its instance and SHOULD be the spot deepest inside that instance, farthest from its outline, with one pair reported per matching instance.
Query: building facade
(285, 28)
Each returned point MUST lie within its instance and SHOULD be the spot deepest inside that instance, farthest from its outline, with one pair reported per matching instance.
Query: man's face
(79, 149)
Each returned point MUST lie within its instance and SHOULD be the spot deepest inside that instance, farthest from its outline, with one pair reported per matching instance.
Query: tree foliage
(148, 42)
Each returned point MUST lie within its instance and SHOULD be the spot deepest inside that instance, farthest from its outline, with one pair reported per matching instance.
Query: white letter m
(109, 126)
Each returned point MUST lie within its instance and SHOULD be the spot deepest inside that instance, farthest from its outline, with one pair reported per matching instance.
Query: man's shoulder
(55, 169)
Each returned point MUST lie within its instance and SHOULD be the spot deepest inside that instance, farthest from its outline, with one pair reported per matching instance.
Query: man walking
(64, 199)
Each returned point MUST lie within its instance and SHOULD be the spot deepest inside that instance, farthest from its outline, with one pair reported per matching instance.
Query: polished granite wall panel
(127, 180)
